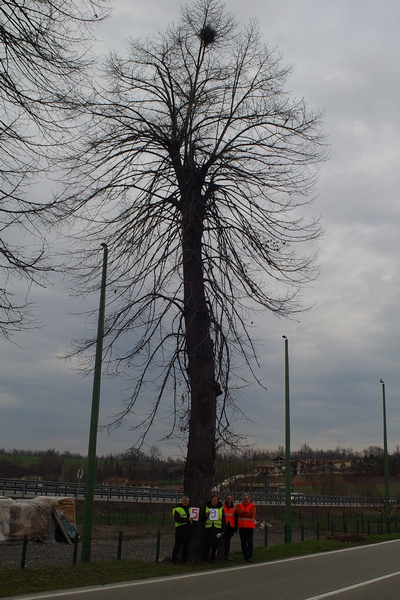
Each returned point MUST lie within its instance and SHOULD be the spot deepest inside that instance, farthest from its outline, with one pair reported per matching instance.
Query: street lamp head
(381, 381)
(284, 337)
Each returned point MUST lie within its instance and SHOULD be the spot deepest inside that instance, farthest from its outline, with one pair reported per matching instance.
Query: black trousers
(210, 542)
(182, 540)
(229, 531)
(246, 542)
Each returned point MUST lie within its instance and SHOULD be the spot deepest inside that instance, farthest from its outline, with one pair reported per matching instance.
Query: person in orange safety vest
(246, 514)
(231, 524)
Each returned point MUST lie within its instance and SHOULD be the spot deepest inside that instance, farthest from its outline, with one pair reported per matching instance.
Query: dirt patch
(353, 538)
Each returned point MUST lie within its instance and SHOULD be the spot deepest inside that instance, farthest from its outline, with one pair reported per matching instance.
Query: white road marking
(111, 586)
(354, 587)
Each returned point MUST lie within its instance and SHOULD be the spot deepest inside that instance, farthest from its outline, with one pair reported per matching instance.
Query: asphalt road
(360, 573)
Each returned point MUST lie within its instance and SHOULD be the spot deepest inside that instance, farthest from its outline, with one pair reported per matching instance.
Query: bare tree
(193, 170)
(43, 48)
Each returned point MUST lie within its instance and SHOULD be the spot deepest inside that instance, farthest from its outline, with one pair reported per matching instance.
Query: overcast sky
(346, 58)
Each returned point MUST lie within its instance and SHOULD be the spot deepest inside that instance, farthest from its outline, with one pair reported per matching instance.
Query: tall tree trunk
(199, 468)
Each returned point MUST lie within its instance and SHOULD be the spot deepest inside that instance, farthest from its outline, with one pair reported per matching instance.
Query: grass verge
(15, 582)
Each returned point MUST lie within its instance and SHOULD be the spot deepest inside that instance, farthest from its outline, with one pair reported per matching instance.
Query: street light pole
(386, 459)
(94, 421)
(288, 490)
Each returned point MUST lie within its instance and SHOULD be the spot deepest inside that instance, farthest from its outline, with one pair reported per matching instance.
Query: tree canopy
(43, 53)
(193, 166)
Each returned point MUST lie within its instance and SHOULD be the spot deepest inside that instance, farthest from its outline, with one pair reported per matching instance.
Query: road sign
(80, 473)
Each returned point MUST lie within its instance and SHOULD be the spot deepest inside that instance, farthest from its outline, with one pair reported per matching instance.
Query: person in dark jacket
(183, 530)
(214, 527)
(231, 523)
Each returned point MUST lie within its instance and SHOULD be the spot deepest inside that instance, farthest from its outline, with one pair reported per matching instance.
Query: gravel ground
(53, 553)
(105, 547)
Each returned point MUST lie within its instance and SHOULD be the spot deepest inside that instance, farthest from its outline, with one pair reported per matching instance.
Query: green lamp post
(386, 459)
(288, 490)
(94, 421)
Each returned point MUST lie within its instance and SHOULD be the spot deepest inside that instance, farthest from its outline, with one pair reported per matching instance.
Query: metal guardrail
(19, 488)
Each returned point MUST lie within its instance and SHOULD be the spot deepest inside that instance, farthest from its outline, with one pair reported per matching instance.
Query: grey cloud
(346, 62)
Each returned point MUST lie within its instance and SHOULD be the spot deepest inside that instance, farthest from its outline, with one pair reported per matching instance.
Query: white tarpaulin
(34, 518)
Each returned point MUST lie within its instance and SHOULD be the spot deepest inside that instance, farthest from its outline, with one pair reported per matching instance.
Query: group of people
(221, 521)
